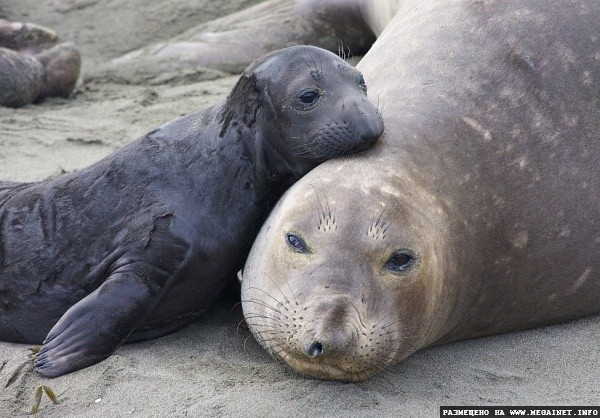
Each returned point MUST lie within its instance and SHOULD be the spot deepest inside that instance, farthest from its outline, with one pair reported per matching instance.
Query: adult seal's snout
(333, 330)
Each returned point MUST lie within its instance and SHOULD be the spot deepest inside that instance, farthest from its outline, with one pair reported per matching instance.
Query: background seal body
(230, 42)
(33, 65)
(479, 212)
(140, 243)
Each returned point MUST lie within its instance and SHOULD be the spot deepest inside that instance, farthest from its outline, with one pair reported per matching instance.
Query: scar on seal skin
(140, 243)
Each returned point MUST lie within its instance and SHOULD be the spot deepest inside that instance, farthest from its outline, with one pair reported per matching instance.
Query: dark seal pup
(479, 212)
(140, 243)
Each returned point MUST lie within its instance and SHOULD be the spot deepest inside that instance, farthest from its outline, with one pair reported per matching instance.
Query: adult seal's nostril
(315, 349)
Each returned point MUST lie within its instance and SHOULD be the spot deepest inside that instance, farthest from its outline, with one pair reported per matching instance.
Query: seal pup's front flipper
(95, 326)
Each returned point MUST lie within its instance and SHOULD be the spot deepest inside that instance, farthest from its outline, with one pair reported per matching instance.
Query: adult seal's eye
(296, 243)
(400, 262)
(309, 97)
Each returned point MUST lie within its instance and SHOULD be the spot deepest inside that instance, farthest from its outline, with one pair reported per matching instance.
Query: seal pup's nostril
(315, 349)
(373, 129)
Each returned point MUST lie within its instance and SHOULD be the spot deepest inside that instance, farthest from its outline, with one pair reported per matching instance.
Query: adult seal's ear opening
(140, 243)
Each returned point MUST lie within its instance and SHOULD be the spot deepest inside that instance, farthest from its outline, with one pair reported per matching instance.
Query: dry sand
(212, 368)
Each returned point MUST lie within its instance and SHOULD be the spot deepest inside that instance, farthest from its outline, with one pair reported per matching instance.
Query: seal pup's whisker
(341, 49)
(307, 64)
(314, 63)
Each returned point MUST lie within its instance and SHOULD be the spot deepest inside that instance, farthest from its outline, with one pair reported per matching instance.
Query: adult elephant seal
(138, 244)
(33, 65)
(479, 211)
(229, 43)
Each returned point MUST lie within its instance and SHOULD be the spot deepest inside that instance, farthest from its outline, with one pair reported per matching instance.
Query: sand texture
(214, 367)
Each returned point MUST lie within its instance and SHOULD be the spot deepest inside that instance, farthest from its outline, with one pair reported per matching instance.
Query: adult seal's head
(310, 106)
(339, 291)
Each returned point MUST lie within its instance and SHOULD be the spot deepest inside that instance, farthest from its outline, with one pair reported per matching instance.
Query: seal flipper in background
(92, 329)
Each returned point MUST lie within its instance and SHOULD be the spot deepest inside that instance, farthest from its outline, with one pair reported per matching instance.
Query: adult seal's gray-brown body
(479, 211)
(231, 42)
(33, 65)
(140, 243)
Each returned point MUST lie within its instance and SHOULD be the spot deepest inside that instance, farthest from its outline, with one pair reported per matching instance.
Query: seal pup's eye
(400, 261)
(296, 243)
(306, 100)
(309, 97)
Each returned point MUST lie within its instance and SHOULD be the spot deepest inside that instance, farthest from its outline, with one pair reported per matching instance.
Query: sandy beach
(214, 367)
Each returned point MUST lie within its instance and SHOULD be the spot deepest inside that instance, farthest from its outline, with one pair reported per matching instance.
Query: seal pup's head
(348, 273)
(305, 106)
